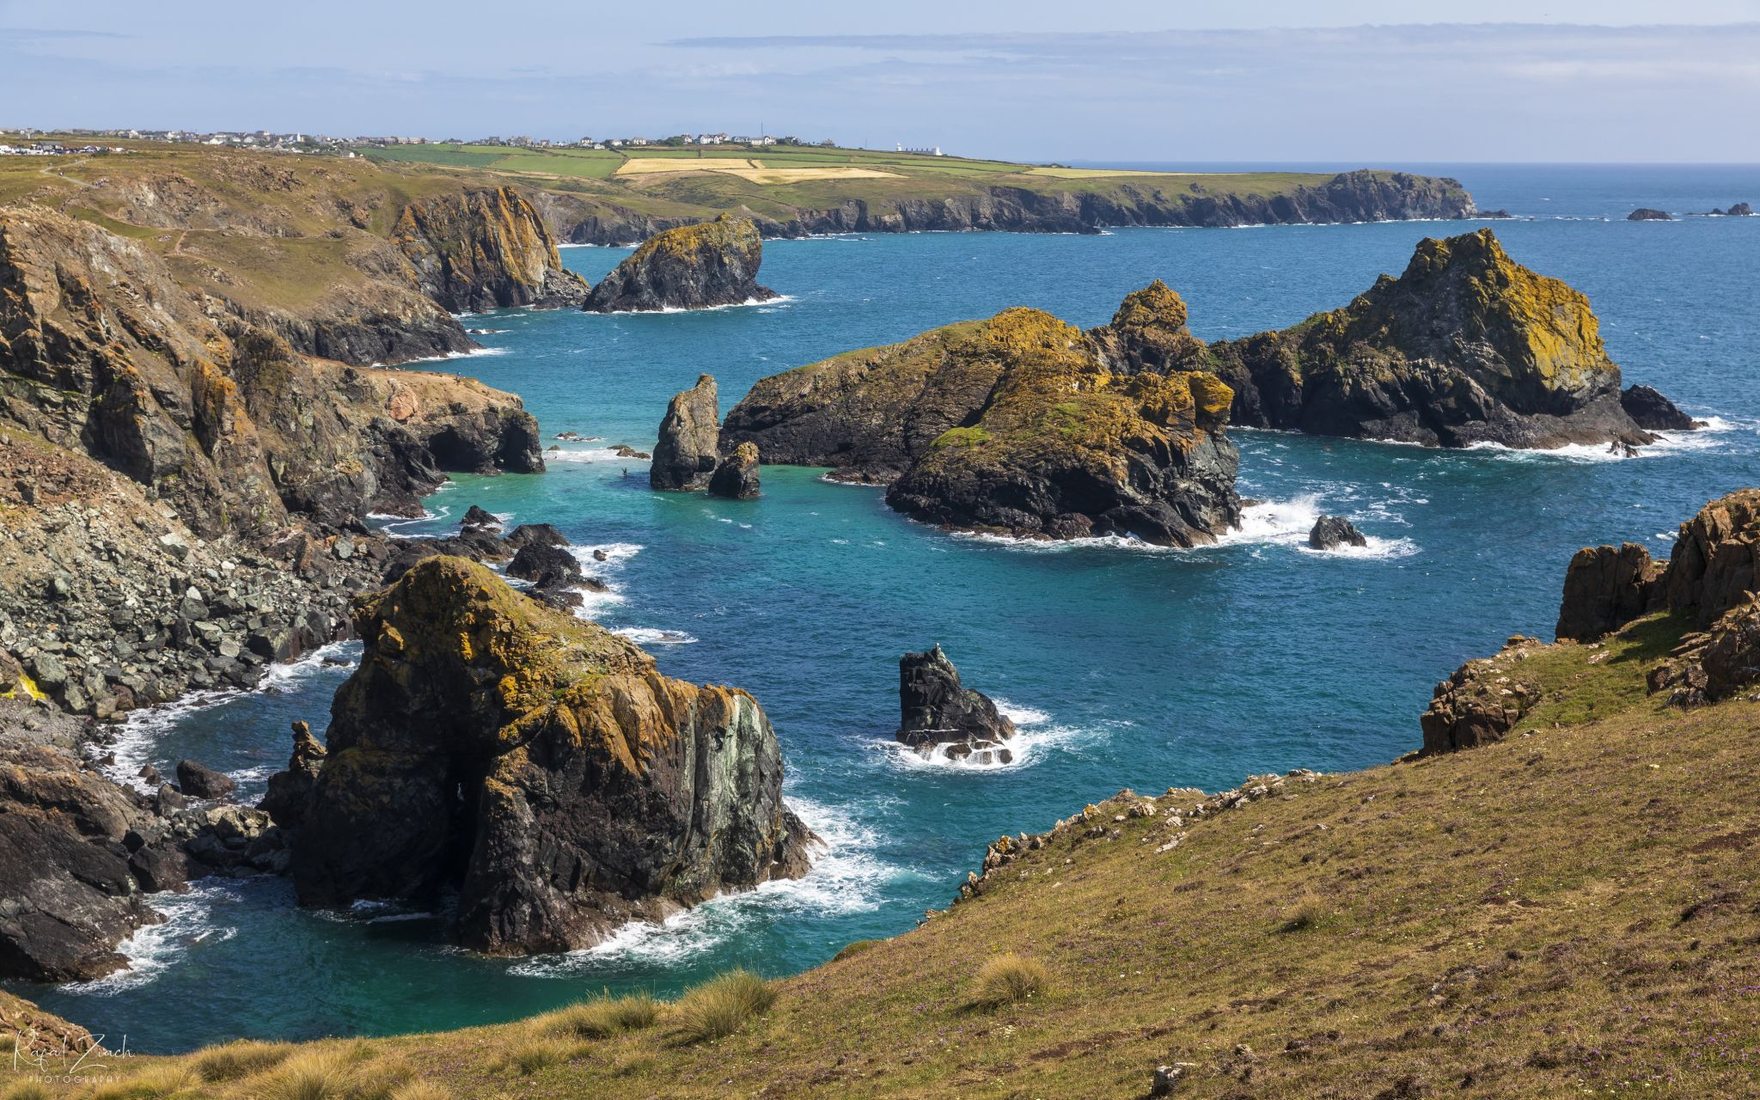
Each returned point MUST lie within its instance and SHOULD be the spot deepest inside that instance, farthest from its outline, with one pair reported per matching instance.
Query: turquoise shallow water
(1131, 667)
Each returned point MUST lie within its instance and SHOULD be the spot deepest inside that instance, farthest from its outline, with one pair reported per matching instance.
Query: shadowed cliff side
(538, 764)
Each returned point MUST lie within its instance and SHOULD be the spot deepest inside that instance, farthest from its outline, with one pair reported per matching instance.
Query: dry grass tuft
(421, 1089)
(1305, 915)
(177, 1078)
(603, 1016)
(1006, 979)
(721, 1006)
(241, 1058)
(529, 1058)
(320, 1073)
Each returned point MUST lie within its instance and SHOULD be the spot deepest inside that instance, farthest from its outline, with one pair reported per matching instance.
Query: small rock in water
(1331, 532)
(201, 781)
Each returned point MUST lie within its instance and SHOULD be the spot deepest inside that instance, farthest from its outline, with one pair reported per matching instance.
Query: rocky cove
(784, 486)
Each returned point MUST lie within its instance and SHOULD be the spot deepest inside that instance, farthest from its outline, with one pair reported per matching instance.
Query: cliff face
(540, 765)
(1348, 197)
(690, 267)
(485, 249)
(1020, 424)
(1466, 346)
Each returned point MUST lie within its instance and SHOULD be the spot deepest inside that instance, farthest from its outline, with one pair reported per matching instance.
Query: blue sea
(1126, 666)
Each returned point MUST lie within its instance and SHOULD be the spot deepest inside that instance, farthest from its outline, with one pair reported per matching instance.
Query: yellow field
(747, 169)
(1097, 173)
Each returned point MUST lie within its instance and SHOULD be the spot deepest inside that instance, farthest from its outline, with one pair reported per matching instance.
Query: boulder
(539, 767)
(687, 453)
(289, 791)
(1466, 346)
(1605, 588)
(687, 267)
(1715, 563)
(1647, 214)
(939, 715)
(1650, 410)
(546, 566)
(1482, 702)
(1331, 532)
(200, 781)
(479, 519)
(736, 478)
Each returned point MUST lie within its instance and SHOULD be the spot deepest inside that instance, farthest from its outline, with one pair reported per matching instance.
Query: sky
(1383, 82)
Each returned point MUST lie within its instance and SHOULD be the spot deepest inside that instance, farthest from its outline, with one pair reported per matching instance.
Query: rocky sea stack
(939, 716)
(686, 454)
(687, 267)
(539, 766)
(1467, 346)
(1020, 424)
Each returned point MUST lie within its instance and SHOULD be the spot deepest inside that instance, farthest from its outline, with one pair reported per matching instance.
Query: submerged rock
(736, 478)
(1020, 424)
(1331, 532)
(937, 715)
(687, 453)
(539, 766)
(687, 267)
(1467, 346)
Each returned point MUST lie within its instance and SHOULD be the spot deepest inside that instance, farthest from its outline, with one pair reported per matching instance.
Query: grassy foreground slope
(1573, 911)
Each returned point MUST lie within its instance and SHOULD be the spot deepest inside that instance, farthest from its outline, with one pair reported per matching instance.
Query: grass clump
(170, 1079)
(27, 1090)
(1305, 915)
(241, 1058)
(604, 1016)
(721, 1006)
(320, 1073)
(1006, 979)
(420, 1089)
(529, 1058)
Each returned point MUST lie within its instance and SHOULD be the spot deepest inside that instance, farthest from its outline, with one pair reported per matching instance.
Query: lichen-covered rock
(687, 267)
(938, 715)
(1016, 424)
(1605, 588)
(538, 765)
(1467, 346)
(687, 453)
(1332, 532)
(1149, 333)
(1482, 701)
(736, 478)
(485, 249)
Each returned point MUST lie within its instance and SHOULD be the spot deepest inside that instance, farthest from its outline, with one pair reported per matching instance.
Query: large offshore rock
(1020, 424)
(938, 715)
(1467, 346)
(736, 478)
(687, 452)
(483, 249)
(687, 267)
(538, 765)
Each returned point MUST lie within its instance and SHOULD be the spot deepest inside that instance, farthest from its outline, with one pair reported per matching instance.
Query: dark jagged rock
(535, 534)
(1482, 701)
(1465, 347)
(1654, 412)
(1020, 424)
(289, 791)
(1331, 532)
(552, 570)
(690, 267)
(687, 453)
(939, 715)
(485, 249)
(1646, 214)
(736, 478)
(1740, 210)
(538, 765)
(200, 781)
(1605, 588)
(478, 518)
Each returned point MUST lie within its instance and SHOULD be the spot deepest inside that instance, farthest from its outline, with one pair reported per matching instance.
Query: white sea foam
(647, 635)
(591, 454)
(473, 353)
(189, 919)
(1708, 439)
(140, 732)
(779, 300)
(1035, 732)
(617, 555)
(846, 877)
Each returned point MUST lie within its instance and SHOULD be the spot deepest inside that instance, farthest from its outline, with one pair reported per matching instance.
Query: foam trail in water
(189, 920)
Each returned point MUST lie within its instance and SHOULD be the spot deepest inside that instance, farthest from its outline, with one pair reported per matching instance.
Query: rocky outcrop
(939, 716)
(1332, 532)
(485, 249)
(1483, 700)
(736, 478)
(1465, 347)
(1646, 214)
(1653, 412)
(1020, 424)
(289, 791)
(1715, 563)
(690, 267)
(1605, 588)
(687, 452)
(197, 780)
(539, 766)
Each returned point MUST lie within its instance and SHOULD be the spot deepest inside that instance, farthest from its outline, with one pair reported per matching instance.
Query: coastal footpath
(1567, 907)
